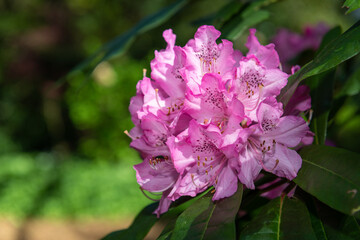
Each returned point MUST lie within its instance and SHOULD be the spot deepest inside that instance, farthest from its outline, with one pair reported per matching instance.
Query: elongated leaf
(122, 42)
(337, 51)
(221, 16)
(240, 24)
(321, 100)
(282, 218)
(327, 222)
(249, 17)
(336, 225)
(139, 228)
(332, 176)
(146, 219)
(351, 5)
(206, 219)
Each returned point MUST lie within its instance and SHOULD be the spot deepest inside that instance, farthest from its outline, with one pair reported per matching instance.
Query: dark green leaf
(332, 176)
(334, 225)
(206, 219)
(321, 100)
(282, 218)
(140, 226)
(221, 16)
(337, 51)
(121, 43)
(239, 25)
(327, 222)
(146, 219)
(352, 85)
(351, 5)
(249, 17)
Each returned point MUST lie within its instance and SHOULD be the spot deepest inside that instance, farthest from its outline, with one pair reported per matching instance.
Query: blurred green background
(63, 153)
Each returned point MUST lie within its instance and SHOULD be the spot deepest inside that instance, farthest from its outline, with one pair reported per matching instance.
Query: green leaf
(328, 223)
(332, 176)
(146, 219)
(249, 17)
(206, 219)
(221, 16)
(334, 225)
(140, 226)
(119, 45)
(321, 99)
(351, 5)
(337, 51)
(239, 25)
(282, 218)
(352, 85)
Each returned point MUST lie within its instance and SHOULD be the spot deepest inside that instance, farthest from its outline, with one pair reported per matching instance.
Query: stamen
(310, 117)
(259, 97)
(265, 168)
(157, 97)
(144, 72)
(192, 179)
(128, 134)
(152, 199)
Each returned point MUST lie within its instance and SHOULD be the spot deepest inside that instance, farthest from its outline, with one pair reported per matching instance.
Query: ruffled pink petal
(156, 177)
(274, 81)
(289, 131)
(249, 167)
(266, 54)
(164, 204)
(210, 103)
(284, 162)
(227, 183)
(268, 114)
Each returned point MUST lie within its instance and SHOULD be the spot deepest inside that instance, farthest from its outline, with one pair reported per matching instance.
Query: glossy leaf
(332, 176)
(282, 218)
(337, 51)
(333, 224)
(351, 5)
(121, 43)
(140, 226)
(321, 100)
(328, 223)
(206, 219)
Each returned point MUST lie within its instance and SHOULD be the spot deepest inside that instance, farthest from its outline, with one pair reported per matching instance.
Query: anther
(243, 123)
(144, 72)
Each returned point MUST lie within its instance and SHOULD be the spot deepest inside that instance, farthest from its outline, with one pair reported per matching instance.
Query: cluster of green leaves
(326, 203)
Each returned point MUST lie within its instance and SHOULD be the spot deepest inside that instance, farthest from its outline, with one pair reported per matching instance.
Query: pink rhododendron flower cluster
(209, 117)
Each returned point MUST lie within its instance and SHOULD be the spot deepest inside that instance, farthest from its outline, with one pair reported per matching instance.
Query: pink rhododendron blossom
(208, 117)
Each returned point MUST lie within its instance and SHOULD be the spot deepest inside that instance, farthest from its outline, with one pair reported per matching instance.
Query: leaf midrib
(280, 212)
(330, 171)
(207, 221)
